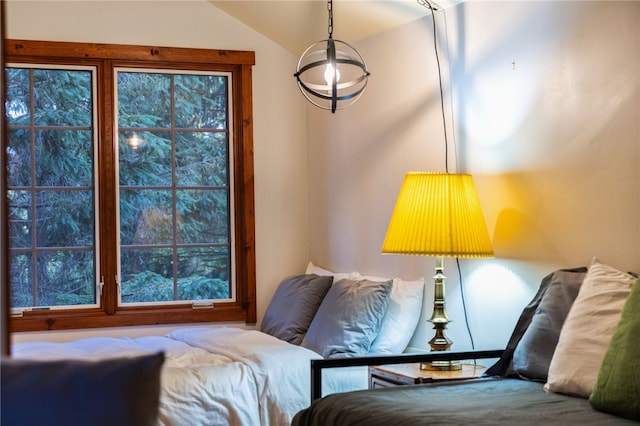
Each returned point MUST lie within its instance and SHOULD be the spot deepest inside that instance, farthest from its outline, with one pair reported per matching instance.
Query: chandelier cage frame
(323, 63)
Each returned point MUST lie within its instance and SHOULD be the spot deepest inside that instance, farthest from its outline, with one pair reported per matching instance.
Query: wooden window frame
(106, 57)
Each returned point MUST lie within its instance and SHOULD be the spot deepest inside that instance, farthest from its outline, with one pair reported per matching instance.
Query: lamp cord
(464, 304)
(428, 5)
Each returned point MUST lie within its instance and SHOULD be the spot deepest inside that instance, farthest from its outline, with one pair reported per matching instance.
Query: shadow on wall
(517, 236)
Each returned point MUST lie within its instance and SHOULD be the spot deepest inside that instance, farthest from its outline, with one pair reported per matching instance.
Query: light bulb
(329, 73)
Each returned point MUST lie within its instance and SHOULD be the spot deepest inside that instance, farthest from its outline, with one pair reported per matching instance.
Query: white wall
(553, 144)
(545, 108)
(280, 151)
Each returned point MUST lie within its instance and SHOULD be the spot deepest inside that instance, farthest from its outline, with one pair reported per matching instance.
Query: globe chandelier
(331, 74)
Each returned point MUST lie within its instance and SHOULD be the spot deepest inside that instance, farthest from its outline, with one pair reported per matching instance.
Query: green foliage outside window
(174, 200)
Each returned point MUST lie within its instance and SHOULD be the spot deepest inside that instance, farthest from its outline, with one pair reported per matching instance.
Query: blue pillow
(119, 391)
(349, 318)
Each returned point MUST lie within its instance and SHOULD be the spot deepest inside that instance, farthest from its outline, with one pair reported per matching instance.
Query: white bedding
(216, 376)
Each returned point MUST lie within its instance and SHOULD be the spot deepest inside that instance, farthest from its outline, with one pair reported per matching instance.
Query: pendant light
(331, 74)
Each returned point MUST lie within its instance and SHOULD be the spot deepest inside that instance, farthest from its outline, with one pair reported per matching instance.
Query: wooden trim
(248, 198)
(107, 190)
(5, 294)
(79, 319)
(53, 49)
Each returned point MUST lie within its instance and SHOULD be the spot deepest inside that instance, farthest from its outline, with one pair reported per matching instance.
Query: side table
(385, 376)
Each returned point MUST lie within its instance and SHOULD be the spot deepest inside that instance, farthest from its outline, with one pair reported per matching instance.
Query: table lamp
(438, 214)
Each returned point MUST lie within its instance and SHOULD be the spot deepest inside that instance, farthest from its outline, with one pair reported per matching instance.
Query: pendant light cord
(428, 5)
(330, 25)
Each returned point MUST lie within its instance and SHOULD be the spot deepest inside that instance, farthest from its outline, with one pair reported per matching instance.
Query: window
(175, 199)
(130, 185)
(50, 168)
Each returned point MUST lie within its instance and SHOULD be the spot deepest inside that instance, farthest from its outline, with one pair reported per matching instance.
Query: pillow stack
(587, 330)
(345, 314)
(579, 335)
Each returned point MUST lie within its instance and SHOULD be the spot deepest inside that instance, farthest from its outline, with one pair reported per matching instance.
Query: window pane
(147, 275)
(62, 98)
(64, 158)
(202, 159)
(19, 158)
(145, 158)
(21, 280)
(203, 273)
(203, 216)
(18, 102)
(146, 217)
(64, 218)
(20, 220)
(144, 99)
(201, 101)
(62, 278)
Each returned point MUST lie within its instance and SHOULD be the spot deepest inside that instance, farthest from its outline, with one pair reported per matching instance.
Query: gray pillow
(504, 366)
(349, 318)
(119, 391)
(293, 306)
(532, 355)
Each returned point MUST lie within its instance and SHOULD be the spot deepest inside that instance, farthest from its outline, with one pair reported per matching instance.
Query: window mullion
(174, 189)
(109, 234)
(32, 192)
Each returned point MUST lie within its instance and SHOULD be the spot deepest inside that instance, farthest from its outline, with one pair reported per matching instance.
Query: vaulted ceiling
(295, 24)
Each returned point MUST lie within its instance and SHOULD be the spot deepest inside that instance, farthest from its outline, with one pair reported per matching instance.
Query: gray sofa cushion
(118, 391)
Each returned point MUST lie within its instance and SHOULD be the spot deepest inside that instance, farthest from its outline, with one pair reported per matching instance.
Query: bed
(211, 376)
(573, 359)
(235, 376)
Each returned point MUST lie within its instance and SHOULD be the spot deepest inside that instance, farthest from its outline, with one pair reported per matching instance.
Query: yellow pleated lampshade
(438, 214)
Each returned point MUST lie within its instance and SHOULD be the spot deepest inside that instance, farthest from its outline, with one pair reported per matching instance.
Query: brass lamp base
(440, 342)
